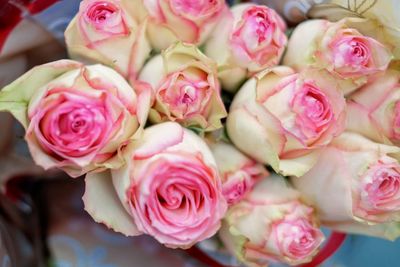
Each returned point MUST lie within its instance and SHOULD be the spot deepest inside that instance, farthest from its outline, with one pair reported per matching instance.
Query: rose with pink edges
(76, 118)
(186, 88)
(189, 21)
(239, 173)
(170, 189)
(283, 228)
(374, 110)
(289, 116)
(251, 39)
(111, 32)
(367, 175)
(338, 47)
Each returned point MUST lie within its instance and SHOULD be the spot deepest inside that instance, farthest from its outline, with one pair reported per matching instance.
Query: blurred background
(42, 221)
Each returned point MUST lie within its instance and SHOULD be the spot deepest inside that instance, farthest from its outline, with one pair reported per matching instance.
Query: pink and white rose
(272, 224)
(374, 109)
(170, 189)
(283, 118)
(110, 32)
(251, 39)
(383, 20)
(189, 21)
(361, 186)
(239, 173)
(76, 117)
(186, 88)
(345, 52)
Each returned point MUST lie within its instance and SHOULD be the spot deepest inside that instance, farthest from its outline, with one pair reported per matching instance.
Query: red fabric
(40, 5)
(199, 255)
(10, 14)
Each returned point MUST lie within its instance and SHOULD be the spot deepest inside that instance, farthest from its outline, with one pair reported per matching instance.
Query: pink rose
(109, 32)
(361, 186)
(186, 88)
(238, 172)
(382, 19)
(283, 118)
(251, 39)
(339, 48)
(76, 118)
(189, 21)
(169, 189)
(374, 110)
(272, 224)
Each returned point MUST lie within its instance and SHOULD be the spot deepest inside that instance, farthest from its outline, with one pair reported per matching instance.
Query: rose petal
(16, 96)
(103, 204)
(172, 135)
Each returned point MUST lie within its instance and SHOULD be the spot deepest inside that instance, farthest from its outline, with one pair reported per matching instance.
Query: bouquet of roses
(174, 110)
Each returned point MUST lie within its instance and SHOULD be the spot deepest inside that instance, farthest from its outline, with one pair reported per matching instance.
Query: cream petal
(102, 203)
(304, 38)
(330, 175)
(162, 136)
(300, 165)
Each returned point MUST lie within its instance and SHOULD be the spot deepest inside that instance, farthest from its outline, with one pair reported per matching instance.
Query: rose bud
(272, 224)
(170, 189)
(361, 186)
(347, 54)
(76, 118)
(374, 109)
(186, 88)
(109, 32)
(283, 118)
(181, 20)
(250, 40)
(239, 173)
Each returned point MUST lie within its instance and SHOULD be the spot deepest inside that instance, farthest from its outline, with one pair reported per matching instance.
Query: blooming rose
(169, 189)
(186, 88)
(340, 49)
(189, 21)
(282, 118)
(272, 224)
(76, 118)
(361, 186)
(238, 172)
(383, 19)
(110, 32)
(374, 110)
(250, 40)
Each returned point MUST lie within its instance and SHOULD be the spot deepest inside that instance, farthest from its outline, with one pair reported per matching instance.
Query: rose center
(184, 96)
(386, 186)
(78, 124)
(189, 94)
(262, 26)
(358, 51)
(101, 12)
(314, 107)
(297, 238)
(382, 190)
(352, 52)
(313, 110)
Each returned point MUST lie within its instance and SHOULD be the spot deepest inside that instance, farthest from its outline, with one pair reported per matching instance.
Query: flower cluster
(174, 110)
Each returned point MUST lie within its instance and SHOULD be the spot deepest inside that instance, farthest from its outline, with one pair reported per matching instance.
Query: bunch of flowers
(174, 110)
